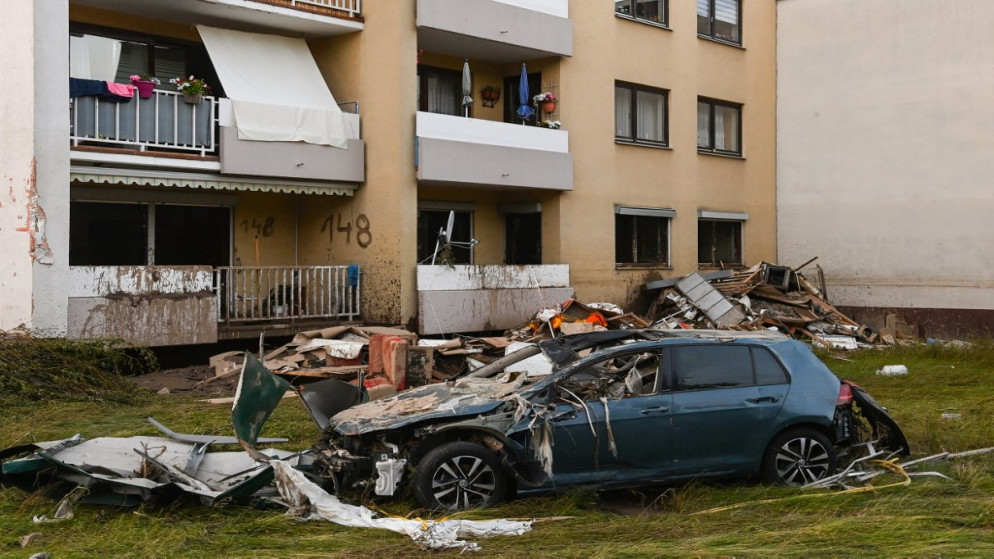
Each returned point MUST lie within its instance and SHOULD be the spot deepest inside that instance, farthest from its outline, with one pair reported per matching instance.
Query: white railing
(247, 293)
(164, 121)
(353, 7)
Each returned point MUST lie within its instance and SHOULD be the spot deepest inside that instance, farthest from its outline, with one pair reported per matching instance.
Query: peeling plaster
(35, 223)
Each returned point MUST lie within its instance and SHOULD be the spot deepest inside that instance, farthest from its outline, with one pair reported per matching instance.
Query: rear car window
(768, 369)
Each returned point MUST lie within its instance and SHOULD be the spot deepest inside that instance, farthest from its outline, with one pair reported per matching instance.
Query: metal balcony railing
(163, 122)
(248, 293)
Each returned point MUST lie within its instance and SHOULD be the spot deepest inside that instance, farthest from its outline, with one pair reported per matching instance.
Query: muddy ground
(190, 380)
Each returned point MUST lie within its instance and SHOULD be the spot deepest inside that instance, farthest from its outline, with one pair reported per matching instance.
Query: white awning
(277, 92)
(647, 212)
(142, 177)
(728, 216)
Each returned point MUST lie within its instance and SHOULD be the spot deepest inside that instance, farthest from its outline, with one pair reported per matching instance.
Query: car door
(611, 422)
(721, 414)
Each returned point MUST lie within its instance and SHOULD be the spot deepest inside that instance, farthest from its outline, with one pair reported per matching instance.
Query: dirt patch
(188, 381)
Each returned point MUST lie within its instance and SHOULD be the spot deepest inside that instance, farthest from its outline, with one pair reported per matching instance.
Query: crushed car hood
(465, 397)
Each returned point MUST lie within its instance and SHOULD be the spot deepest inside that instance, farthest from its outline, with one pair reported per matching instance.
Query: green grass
(929, 518)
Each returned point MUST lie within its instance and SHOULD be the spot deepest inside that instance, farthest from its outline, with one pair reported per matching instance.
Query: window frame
(709, 217)
(633, 90)
(427, 246)
(633, 212)
(424, 71)
(631, 15)
(712, 150)
(710, 35)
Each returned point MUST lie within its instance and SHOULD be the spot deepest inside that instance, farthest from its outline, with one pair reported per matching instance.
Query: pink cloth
(124, 90)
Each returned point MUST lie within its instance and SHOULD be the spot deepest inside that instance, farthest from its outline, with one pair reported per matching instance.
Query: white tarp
(277, 92)
(309, 501)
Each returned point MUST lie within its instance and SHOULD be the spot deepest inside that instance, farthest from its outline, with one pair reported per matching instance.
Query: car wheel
(798, 457)
(459, 475)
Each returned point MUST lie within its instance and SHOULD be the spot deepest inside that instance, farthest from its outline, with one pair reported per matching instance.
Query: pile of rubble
(387, 360)
(760, 298)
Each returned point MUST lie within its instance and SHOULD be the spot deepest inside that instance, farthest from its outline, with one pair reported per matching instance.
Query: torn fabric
(309, 502)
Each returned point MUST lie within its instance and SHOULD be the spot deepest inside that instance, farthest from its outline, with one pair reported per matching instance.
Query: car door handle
(657, 409)
(763, 400)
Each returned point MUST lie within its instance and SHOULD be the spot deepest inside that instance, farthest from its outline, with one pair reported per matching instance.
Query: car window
(703, 367)
(622, 376)
(768, 369)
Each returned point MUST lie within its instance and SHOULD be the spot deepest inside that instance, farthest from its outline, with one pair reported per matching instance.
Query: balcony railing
(247, 293)
(353, 7)
(164, 122)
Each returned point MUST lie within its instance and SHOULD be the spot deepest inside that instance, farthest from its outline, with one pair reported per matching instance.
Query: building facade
(883, 163)
(377, 161)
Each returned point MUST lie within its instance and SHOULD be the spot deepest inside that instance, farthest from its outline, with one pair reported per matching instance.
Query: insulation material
(309, 502)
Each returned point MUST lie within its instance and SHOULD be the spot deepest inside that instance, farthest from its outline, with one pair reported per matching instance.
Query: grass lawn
(931, 517)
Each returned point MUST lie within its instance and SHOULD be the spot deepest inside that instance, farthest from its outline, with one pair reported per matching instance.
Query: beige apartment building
(375, 161)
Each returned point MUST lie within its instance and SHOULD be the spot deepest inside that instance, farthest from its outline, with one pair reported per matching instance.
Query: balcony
(496, 30)
(308, 18)
(457, 151)
(279, 293)
(163, 122)
(177, 305)
(480, 298)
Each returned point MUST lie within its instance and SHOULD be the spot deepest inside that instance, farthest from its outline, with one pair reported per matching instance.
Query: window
(719, 127)
(439, 90)
(642, 236)
(123, 234)
(114, 55)
(719, 239)
(705, 367)
(511, 100)
(720, 19)
(431, 222)
(768, 369)
(651, 11)
(624, 375)
(640, 114)
(523, 238)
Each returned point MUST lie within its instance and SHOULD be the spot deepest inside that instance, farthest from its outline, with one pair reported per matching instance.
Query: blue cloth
(524, 97)
(353, 275)
(79, 87)
(85, 88)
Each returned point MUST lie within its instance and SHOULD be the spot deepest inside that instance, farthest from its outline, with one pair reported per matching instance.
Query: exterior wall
(608, 48)
(884, 153)
(378, 67)
(34, 174)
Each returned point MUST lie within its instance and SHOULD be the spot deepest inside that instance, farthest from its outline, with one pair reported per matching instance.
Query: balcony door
(512, 100)
(523, 238)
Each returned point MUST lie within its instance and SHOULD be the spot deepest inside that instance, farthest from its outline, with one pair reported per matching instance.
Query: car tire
(798, 457)
(459, 475)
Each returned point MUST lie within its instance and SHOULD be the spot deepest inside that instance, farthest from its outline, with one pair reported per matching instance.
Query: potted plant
(145, 84)
(554, 124)
(545, 100)
(490, 95)
(193, 89)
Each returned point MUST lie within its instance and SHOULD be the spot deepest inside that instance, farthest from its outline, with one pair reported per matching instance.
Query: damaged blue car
(620, 409)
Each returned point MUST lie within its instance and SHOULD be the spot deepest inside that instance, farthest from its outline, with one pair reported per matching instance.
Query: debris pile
(762, 297)
(378, 356)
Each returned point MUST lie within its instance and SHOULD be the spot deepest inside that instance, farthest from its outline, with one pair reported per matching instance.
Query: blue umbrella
(524, 97)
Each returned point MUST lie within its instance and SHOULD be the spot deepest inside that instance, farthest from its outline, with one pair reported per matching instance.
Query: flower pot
(193, 98)
(549, 106)
(145, 89)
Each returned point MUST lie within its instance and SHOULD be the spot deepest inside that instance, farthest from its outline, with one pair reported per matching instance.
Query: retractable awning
(204, 181)
(276, 89)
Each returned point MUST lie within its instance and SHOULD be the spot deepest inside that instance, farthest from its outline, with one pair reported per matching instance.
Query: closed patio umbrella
(467, 88)
(524, 111)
